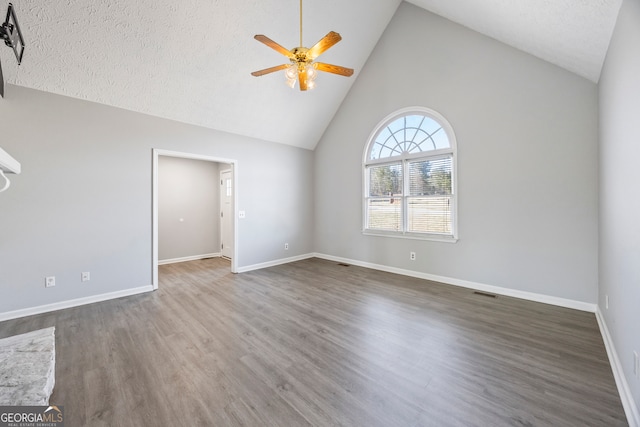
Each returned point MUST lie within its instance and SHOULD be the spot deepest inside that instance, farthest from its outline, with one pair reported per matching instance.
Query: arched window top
(409, 131)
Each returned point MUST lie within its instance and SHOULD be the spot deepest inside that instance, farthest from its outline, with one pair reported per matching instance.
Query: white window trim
(446, 126)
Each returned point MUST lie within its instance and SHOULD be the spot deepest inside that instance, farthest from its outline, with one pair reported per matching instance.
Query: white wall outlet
(86, 276)
(412, 256)
(49, 281)
(286, 246)
(606, 302)
(242, 214)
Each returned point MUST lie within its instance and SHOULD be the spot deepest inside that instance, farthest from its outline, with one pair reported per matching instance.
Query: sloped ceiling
(191, 61)
(573, 34)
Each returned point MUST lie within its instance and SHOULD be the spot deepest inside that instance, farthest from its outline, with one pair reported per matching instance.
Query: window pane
(429, 214)
(375, 151)
(384, 214)
(440, 139)
(386, 152)
(383, 135)
(385, 180)
(413, 132)
(430, 126)
(414, 121)
(396, 125)
(430, 177)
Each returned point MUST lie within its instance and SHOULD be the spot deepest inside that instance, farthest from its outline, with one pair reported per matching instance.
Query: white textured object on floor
(27, 368)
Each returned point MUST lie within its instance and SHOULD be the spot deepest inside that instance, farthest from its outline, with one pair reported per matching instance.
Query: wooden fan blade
(273, 45)
(302, 80)
(325, 43)
(269, 70)
(335, 69)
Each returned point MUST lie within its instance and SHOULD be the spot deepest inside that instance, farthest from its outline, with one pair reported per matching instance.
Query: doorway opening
(225, 217)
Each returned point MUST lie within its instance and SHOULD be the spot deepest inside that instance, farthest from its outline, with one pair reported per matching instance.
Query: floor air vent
(343, 264)
(486, 294)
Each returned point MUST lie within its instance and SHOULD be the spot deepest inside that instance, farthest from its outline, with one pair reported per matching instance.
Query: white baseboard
(189, 258)
(530, 296)
(629, 405)
(8, 315)
(274, 263)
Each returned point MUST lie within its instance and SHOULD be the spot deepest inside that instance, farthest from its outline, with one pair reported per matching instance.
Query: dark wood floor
(314, 343)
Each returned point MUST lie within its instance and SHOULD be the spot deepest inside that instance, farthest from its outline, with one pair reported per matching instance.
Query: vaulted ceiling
(191, 60)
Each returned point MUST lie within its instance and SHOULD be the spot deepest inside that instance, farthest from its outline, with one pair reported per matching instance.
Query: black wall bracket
(12, 36)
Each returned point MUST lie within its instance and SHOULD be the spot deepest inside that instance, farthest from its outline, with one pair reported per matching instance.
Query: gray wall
(83, 200)
(619, 190)
(188, 207)
(527, 146)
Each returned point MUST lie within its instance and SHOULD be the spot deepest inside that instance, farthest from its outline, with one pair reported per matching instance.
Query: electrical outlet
(286, 246)
(412, 256)
(606, 302)
(49, 281)
(86, 276)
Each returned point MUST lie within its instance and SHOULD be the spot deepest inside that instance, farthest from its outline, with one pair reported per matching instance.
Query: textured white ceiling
(191, 60)
(573, 34)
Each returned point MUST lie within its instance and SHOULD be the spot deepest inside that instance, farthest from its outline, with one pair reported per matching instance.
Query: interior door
(226, 214)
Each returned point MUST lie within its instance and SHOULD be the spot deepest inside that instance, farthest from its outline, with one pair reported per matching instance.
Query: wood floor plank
(315, 343)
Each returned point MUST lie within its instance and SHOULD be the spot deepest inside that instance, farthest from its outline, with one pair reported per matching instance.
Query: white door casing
(226, 214)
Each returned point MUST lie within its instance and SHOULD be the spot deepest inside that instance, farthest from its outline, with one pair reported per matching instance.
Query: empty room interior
(321, 213)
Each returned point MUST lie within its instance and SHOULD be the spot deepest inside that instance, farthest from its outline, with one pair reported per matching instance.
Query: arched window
(410, 176)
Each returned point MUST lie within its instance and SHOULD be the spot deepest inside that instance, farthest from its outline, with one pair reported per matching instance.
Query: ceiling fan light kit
(293, 72)
(302, 68)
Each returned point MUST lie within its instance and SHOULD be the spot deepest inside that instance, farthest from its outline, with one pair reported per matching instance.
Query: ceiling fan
(302, 66)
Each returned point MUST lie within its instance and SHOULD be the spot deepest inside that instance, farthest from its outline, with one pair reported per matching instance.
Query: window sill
(411, 236)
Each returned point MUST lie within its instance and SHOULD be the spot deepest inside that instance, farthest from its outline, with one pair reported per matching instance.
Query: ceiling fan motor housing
(300, 57)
